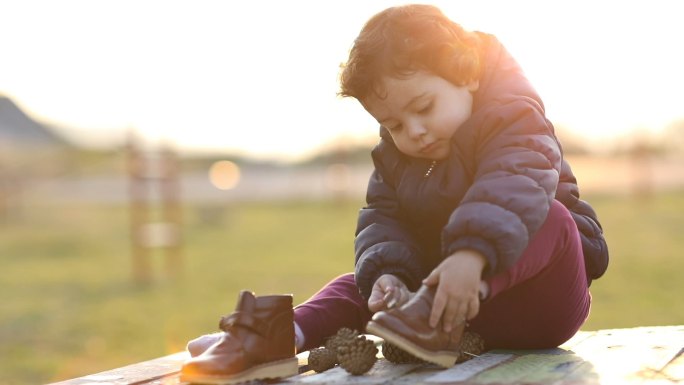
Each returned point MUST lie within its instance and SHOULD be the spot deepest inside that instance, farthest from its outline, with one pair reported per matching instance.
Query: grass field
(70, 307)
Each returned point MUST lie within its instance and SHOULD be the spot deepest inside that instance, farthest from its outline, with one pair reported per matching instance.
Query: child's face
(422, 112)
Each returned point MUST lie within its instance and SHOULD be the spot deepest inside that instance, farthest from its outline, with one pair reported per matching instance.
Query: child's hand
(458, 279)
(388, 292)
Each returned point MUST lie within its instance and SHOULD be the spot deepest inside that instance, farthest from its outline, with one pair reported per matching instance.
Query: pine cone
(472, 345)
(358, 356)
(322, 359)
(396, 355)
(344, 336)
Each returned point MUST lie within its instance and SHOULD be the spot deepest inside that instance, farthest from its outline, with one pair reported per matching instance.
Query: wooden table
(644, 355)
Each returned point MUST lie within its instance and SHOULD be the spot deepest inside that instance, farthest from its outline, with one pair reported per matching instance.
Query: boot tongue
(246, 301)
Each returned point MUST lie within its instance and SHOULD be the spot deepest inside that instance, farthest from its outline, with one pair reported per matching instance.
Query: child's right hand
(388, 292)
(458, 281)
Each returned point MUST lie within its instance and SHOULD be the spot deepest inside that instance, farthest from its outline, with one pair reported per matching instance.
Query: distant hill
(28, 147)
(20, 131)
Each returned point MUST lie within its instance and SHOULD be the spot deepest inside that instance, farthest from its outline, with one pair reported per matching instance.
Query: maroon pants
(540, 302)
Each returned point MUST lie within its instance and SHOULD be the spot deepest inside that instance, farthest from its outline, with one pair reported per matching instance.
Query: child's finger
(460, 318)
(375, 306)
(431, 279)
(451, 314)
(473, 309)
(437, 308)
(390, 298)
(376, 302)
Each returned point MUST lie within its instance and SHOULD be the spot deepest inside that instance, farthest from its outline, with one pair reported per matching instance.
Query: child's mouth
(429, 148)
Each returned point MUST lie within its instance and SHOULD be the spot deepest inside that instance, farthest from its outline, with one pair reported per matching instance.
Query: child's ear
(473, 86)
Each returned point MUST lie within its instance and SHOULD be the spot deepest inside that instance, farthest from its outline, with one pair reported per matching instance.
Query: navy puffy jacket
(491, 194)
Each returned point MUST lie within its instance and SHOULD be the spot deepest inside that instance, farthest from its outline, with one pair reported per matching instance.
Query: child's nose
(416, 130)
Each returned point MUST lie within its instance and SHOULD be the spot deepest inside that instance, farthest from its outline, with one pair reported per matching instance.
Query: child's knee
(563, 227)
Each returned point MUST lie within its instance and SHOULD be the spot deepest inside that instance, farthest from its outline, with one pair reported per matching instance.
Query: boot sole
(442, 358)
(271, 370)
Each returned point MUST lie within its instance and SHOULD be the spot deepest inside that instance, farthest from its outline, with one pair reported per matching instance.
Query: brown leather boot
(258, 343)
(408, 328)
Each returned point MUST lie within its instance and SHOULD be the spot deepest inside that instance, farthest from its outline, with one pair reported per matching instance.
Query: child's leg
(335, 306)
(543, 299)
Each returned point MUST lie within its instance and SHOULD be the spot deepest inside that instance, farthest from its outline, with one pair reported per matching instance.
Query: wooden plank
(382, 372)
(673, 372)
(621, 356)
(631, 356)
(140, 373)
(647, 355)
(542, 367)
(469, 369)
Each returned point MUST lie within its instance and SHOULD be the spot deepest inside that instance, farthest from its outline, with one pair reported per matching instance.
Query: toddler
(473, 219)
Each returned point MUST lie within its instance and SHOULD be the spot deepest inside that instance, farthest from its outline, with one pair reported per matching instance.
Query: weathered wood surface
(646, 355)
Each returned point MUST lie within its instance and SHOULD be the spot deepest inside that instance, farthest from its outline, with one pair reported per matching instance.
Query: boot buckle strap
(240, 319)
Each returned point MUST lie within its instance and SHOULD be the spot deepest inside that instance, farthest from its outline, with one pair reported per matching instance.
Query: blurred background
(156, 157)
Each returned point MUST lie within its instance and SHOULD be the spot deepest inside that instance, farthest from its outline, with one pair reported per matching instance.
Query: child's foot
(200, 344)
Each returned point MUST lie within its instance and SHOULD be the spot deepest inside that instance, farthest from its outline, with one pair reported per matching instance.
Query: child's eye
(425, 108)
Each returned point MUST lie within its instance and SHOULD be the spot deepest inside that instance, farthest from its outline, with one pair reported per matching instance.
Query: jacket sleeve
(517, 161)
(594, 245)
(383, 244)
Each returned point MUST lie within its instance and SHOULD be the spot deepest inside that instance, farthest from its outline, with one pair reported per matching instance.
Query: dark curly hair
(400, 41)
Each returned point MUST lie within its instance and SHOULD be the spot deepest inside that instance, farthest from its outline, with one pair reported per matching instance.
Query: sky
(260, 77)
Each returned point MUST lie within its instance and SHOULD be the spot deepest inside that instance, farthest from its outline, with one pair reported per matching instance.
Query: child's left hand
(457, 296)
(388, 292)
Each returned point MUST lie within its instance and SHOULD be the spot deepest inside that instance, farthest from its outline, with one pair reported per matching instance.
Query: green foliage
(643, 284)
(70, 306)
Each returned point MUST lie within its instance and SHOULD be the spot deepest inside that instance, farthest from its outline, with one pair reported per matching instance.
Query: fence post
(155, 209)
(171, 209)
